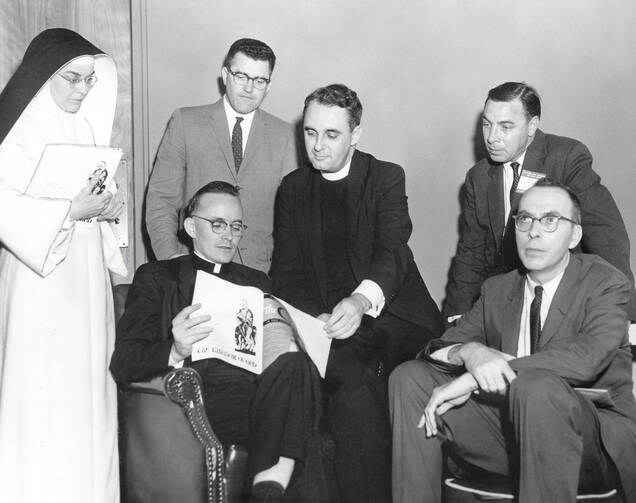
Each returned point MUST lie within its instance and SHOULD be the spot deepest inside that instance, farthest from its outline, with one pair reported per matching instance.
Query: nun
(58, 402)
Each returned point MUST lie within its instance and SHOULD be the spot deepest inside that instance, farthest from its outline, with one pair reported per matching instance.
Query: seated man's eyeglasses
(549, 222)
(90, 81)
(242, 79)
(218, 226)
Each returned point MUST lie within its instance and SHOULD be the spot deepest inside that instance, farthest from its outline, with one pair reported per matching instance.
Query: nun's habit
(58, 404)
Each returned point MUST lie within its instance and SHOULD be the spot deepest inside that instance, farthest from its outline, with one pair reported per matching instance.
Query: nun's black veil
(47, 53)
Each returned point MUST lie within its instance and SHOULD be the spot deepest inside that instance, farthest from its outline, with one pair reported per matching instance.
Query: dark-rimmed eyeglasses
(549, 223)
(219, 225)
(89, 81)
(242, 79)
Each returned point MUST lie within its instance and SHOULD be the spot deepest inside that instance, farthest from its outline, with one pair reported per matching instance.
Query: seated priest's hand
(187, 330)
(346, 316)
(488, 366)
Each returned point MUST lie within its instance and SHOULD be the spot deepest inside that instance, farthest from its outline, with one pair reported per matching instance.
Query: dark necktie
(535, 318)
(509, 245)
(237, 143)
(516, 172)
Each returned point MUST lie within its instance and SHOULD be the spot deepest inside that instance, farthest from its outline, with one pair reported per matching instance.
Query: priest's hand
(187, 330)
(346, 316)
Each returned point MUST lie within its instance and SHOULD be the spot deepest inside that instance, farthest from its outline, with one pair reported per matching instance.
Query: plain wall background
(422, 71)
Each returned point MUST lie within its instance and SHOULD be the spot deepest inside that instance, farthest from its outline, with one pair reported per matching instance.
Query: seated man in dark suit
(276, 413)
(341, 253)
(498, 390)
(519, 154)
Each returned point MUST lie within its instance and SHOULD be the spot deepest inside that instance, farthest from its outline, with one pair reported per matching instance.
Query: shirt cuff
(442, 354)
(372, 291)
(173, 362)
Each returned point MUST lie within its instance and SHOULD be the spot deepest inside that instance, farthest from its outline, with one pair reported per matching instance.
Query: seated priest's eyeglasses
(75, 80)
(549, 222)
(242, 79)
(219, 225)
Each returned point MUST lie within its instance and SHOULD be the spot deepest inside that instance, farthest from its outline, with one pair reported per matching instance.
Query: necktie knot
(516, 175)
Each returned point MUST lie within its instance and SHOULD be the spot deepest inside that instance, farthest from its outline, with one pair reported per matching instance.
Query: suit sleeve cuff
(433, 351)
(442, 354)
(372, 291)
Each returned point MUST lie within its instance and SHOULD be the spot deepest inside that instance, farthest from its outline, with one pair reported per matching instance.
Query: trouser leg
(285, 411)
(357, 416)
(472, 431)
(558, 439)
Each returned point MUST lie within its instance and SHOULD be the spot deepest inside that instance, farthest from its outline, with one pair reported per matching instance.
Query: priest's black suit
(329, 236)
(274, 414)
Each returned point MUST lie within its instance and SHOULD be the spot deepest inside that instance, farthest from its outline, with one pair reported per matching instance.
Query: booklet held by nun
(65, 169)
(250, 329)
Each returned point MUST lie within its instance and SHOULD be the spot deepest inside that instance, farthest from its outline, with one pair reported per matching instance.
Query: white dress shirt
(245, 125)
(508, 178)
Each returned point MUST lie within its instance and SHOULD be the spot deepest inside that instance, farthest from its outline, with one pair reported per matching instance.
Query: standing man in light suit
(232, 140)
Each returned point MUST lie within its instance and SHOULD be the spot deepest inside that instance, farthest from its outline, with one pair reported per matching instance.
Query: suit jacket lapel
(512, 316)
(355, 191)
(186, 278)
(495, 202)
(536, 153)
(222, 135)
(255, 140)
(562, 301)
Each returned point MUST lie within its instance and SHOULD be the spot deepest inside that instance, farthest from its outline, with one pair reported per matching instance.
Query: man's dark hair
(576, 204)
(216, 187)
(338, 95)
(252, 48)
(509, 91)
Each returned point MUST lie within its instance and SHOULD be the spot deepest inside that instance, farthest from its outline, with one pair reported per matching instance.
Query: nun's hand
(114, 208)
(86, 205)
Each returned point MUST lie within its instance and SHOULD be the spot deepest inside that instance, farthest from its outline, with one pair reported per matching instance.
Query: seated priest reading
(274, 414)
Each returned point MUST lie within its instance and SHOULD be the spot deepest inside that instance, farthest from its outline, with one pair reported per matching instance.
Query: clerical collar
(206, 265)
(338, 175)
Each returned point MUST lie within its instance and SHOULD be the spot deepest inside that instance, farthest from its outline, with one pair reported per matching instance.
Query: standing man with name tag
(519, 154)
(232, 140)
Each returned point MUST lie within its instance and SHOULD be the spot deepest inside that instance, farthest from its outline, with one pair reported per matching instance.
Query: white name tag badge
(528, 179)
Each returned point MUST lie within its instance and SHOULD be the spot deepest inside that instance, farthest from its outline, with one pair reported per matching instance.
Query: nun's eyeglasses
(76, 81)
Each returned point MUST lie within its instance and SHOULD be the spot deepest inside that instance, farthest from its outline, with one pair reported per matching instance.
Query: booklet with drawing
(251, 329)
(64, 169)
